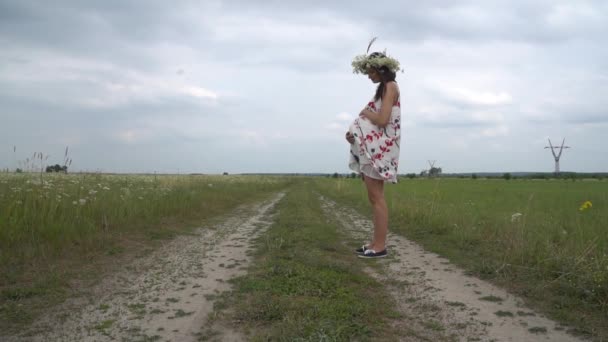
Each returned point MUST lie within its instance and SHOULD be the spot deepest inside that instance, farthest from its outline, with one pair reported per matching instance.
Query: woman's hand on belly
(350, 137)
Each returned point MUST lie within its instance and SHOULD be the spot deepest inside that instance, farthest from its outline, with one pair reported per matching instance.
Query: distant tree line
(505, 176)
(547, 176)
(57, 168)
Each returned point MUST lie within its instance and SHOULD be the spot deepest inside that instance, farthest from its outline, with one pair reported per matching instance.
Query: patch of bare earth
(166, 295)
(438, 300)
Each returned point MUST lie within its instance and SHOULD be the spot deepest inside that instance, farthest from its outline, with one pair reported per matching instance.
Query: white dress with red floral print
(375, 152)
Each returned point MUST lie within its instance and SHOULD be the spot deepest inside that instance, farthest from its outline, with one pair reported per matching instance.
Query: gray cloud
(537, 22)
(189, 85)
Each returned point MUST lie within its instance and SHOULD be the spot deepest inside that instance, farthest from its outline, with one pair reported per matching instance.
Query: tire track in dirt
(167, 295)
(438, 300)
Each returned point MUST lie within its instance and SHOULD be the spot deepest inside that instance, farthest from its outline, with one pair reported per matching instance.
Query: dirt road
(165, 296)
(168, 295)
(439, 300)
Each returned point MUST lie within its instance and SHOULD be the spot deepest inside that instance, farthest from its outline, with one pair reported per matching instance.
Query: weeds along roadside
(535, 238)
(55, 229)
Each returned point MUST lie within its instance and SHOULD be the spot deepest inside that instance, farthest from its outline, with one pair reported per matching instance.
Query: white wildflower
(92, 192)
(82, 201)
(210, 185)
(515, 217)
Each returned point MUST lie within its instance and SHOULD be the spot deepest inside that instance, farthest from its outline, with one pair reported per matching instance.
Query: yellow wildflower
(586, 205)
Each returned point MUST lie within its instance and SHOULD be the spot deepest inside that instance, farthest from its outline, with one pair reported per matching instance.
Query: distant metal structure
(558, 155)
(433, 171)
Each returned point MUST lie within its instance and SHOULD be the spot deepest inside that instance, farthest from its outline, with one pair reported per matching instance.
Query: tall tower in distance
(557, 155)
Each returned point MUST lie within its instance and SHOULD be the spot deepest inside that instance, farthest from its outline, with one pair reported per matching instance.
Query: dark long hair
(385, 76)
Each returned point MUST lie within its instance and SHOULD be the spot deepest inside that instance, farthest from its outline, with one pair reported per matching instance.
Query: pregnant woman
(375, 137)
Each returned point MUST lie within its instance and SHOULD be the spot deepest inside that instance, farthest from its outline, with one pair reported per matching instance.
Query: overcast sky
(267, 86)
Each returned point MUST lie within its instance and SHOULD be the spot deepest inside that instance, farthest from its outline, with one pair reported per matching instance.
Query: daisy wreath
(374, 60)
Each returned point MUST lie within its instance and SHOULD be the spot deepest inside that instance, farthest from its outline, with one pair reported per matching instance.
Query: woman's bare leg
(375, 194)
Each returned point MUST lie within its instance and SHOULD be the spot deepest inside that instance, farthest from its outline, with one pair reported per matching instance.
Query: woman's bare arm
(382, 118)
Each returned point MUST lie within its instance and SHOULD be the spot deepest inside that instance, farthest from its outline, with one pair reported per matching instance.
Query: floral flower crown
(374, 60)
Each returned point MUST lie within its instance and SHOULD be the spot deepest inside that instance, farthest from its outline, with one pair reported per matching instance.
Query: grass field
(544, 240)
(53, 224)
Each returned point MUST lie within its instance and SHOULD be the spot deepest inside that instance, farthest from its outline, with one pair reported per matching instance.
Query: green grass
(538, 330)
(502, 313)
(56, 228)
(181, 313)
(105, 325)
(42, 218)
(305, 284)
(526, 235)
(457, 304)
(433, 325)
(137, 309)
(491, 299)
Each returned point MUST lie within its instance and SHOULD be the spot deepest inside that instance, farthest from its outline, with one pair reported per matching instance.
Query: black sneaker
(370, 254)
(361, 250)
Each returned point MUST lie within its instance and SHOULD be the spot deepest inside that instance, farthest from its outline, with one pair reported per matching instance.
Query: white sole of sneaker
(363, 256)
